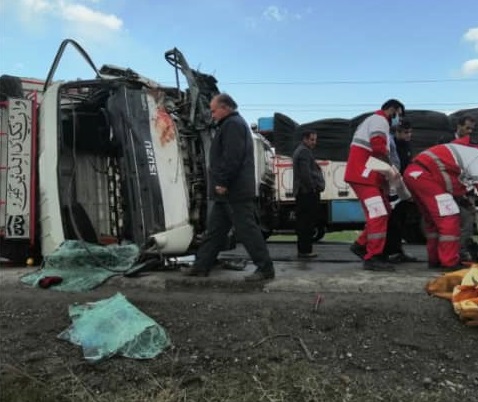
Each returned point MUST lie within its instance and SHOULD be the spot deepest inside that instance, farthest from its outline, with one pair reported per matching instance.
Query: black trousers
(307, 217)
(222, 217)
(396, 222)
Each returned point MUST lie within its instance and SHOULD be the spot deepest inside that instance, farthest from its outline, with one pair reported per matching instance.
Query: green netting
(114, 327)
(84, 266)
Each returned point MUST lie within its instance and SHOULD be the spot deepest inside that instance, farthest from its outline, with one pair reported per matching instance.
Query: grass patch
(266, 381)
(346, 236)
(17, 385)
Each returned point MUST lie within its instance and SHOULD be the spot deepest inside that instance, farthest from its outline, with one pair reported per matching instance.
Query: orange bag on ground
(461, 288)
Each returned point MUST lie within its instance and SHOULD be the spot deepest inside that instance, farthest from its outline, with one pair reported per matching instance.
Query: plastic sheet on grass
(114, 327)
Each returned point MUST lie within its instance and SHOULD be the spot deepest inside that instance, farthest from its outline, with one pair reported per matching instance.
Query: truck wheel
(16, 252)
(319, 233)
(266, 233)
(10, 87)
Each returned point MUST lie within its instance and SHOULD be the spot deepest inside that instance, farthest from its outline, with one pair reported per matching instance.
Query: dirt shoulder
(246, 347)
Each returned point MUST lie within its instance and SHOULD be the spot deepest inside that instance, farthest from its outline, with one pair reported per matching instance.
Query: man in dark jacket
(393, 249)
(308, 182)
(403, 143)
(232, 192)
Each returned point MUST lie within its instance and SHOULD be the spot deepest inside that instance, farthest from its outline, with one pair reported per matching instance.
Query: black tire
(266, 233)
(319, 232)
(16, 251)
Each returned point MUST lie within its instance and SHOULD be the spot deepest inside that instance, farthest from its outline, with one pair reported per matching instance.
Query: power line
(308, 110)
(354, 104)
(302, 111)
(340, 82)
(345, 82)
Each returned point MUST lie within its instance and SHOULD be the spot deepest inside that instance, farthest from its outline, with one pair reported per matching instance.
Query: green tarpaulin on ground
(83, 266)
(114, 327)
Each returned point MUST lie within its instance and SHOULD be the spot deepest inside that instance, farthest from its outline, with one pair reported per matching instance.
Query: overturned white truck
(115, 158)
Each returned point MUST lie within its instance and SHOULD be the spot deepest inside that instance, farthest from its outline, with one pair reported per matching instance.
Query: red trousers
(442, 232)
(376, 208)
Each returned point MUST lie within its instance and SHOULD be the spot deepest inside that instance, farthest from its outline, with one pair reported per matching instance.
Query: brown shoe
(193, 271)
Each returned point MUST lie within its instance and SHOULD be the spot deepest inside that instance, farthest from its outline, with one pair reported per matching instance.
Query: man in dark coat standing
(232, 191)
(308, 182)
(393, 249)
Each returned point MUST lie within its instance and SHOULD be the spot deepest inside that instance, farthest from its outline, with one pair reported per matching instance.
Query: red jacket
(370, 139)
(448, 162)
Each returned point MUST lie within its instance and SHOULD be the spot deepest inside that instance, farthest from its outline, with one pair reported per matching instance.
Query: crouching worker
(435, 178)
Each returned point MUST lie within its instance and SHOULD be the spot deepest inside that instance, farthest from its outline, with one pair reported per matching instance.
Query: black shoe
(358, 250)
(439, 267)
(232, 265)
(473, 250)
(193, 271)
(465, 255)
(306, 255)
(434, 265)
(259, 276)
(377, 264)
(401, 257)
(454, 267)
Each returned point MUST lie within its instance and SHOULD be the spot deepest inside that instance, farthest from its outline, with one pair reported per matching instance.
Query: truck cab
(117, 158)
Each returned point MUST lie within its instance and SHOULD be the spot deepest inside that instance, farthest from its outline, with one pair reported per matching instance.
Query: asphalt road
(335, 269)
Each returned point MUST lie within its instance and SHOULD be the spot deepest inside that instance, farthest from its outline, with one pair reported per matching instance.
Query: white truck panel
(16, 168)
(335, 186)
(50, 213)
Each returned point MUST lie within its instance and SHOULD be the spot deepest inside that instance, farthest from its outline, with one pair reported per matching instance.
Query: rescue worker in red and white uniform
(434, 178)
(372, 139)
